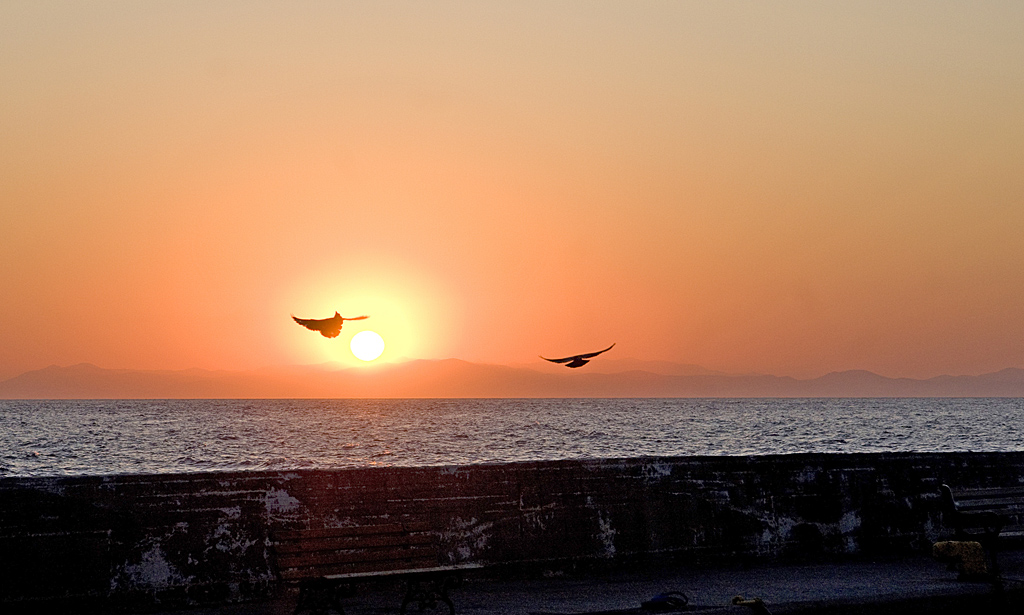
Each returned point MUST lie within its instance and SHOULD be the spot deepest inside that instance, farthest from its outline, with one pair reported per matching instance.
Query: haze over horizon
(454, 378)
(792, 189)
(609, 366)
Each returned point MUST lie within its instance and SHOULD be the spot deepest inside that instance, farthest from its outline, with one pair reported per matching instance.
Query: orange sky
(792, 188)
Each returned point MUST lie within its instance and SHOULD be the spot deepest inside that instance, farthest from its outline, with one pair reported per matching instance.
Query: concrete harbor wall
(175, 540)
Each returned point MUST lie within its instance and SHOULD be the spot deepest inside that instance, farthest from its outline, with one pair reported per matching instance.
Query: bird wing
(565, 360)
(594, 354)
(357, 318)
(328, 327)
(310, 323)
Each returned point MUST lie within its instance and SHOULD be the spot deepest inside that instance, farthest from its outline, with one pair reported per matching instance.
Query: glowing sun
(367, 345)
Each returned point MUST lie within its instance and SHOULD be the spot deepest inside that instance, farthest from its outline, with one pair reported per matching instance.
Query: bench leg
(428, 592)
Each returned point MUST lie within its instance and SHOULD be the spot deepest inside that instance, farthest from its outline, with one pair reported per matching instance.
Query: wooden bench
(327, 562)
(985, 516)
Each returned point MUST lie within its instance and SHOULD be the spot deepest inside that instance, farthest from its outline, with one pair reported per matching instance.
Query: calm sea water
(52, 438)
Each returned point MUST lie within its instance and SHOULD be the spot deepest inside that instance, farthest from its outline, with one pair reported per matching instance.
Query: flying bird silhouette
(328, 327)
(578, 360)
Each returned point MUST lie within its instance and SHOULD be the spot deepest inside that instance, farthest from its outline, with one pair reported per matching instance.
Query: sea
(97, 437)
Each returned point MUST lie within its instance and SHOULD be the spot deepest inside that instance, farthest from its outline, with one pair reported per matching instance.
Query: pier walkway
(905, 586)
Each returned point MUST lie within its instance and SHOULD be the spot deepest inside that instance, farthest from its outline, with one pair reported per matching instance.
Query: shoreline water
(98, 437)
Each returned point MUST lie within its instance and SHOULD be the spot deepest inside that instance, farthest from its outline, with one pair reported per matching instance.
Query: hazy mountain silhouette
(456, 378)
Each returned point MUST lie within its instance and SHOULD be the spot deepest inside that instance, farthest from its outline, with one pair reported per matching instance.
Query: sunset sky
(790, 188)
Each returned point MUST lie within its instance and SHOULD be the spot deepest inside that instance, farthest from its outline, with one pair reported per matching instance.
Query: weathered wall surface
(186, 539)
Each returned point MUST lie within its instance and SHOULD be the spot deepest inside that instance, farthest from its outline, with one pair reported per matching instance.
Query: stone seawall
(199, 538)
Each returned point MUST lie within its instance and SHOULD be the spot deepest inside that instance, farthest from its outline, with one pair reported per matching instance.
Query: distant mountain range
(456, 378)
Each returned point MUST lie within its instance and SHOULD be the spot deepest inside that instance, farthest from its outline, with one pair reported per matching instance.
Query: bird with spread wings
(578, 360)
(328, 327)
